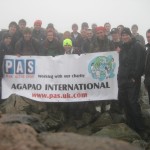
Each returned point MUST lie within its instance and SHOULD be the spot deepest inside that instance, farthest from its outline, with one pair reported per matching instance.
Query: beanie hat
(67, 42)
(126, 31)
(114, 30)
(38, 22)
(100, 28)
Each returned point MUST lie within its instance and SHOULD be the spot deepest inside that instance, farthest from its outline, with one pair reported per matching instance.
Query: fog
(63, 13)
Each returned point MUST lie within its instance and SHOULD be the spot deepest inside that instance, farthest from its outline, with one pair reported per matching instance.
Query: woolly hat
(67, 42)
(126, 31)
(100, 28)
(38, 22)
(114, 30)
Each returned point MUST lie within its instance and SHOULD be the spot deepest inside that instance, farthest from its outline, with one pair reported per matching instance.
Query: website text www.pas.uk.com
(66, 95)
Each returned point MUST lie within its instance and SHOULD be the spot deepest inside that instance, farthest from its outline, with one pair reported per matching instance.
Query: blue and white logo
(102, 67)
(19, 66)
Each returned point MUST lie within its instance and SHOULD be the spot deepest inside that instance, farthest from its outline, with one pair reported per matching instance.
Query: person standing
(131, 68)
(67, 44)
(107, 26)
(51, 46)
(13, 31)
(103, 43)
(90, 44)
(38, 32)
(137, 36)
(21, 26)
(5, 49)
(76, 39)
(27, 46)
(147, 64)
(116, 38)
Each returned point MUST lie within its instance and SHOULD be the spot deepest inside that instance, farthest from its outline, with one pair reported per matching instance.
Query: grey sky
(63, 13)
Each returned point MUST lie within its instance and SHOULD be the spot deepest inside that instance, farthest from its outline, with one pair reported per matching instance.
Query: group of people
(134, 55)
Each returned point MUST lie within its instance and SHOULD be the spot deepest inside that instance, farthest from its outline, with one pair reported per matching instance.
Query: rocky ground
(29, 125)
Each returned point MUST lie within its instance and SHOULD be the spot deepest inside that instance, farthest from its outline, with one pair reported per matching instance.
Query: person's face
(12, 29)
(75, 29)
(94, 26)
(100, 34)
(108, 27)
(7, 41)
(125, 38)
(148, 37)
(50, 36)
(37, 27)
(89, 34)
(134, 30)
(85, 28)
(22, 26)
(67, 35)
(27, 36)
(84, 33)
(67, 48)
(115, 36)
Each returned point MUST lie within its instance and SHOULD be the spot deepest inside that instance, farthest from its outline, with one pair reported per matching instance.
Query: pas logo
(19, 66)
(102, 67)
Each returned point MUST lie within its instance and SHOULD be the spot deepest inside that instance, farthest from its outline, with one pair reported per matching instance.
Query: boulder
(19, 137)
(33, 121)
(71, 141)
(16, 104)
(104, 120)
(119, 131)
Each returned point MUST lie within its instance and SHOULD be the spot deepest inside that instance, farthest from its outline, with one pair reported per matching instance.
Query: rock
(146, 116)
(117, 118)
(140, 143)
(148, 146)
(70, 141)
(104, 120)
(17, 104)
(23, 119)
(143, 93)
(19, 137)
(54, 120)
(85, 131)
(68, 128)
(119, 131)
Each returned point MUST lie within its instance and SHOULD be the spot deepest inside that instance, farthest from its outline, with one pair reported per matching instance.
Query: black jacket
(147, 63)
(4, 50)
(131, 62)
(31, 47)
(89, 45)
(104, 45)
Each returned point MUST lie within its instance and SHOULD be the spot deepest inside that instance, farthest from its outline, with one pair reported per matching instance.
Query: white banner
(65, 78)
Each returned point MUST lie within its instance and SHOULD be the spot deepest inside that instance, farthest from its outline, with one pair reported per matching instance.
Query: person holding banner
(147, 65)
(67, 44)
(131, 68)
(5, 49)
